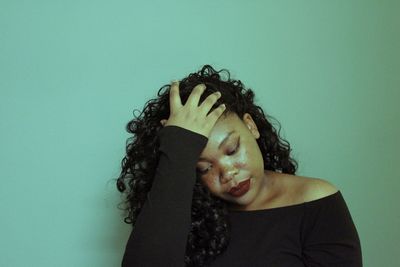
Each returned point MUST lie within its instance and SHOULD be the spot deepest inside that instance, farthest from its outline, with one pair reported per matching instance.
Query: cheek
(243, 160)
(251, 154)
(211, 182)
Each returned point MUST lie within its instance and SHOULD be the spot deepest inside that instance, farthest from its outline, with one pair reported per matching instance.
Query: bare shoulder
(299, 189)
(316, 188)
(295, 189)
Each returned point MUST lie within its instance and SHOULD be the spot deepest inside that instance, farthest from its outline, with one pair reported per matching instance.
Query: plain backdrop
(72, 72)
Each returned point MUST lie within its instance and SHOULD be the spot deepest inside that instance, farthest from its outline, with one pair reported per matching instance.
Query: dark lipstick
(241, 189)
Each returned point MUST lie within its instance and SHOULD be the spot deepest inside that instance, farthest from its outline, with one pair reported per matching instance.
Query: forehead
(222, 128)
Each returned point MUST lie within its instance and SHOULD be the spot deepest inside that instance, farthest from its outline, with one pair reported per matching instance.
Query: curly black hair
(209, 232)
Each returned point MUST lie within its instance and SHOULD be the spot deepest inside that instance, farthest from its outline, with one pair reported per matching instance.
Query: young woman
(207, 181)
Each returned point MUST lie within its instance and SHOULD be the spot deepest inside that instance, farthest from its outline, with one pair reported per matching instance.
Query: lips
(241, 189)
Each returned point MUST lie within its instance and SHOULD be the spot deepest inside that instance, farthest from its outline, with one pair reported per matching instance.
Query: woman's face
(231, 156)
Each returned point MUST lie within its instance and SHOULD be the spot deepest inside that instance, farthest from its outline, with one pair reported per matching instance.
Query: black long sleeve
(160, 233)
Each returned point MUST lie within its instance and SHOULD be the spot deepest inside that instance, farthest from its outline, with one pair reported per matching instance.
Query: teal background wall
(72, 72)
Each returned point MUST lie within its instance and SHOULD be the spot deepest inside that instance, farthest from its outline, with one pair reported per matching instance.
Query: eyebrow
(223, 141)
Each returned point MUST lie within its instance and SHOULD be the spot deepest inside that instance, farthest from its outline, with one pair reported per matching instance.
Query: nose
(227, 176)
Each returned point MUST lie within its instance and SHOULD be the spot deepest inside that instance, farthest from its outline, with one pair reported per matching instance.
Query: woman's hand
(191, 116)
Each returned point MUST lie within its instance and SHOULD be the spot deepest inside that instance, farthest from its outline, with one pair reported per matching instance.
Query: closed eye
(229, 154)
(235, 150)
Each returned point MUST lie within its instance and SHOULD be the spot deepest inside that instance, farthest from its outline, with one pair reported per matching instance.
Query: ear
(251, 125)
(163, 122)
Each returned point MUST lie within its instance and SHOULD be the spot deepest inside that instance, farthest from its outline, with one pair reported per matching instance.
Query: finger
(194, 97)
(174, 97)
(209, 102)
(216, 113)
